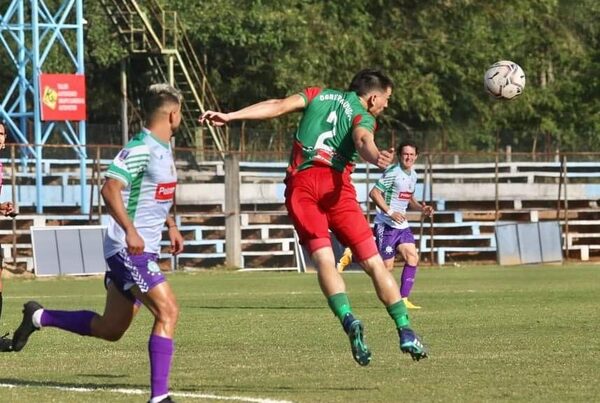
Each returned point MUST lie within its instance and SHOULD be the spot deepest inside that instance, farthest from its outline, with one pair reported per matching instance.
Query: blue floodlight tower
(29, 30)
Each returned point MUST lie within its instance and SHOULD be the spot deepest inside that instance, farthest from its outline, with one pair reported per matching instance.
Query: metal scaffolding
(149, 31)
(30, 31)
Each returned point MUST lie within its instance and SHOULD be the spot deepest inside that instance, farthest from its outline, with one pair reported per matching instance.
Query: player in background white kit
(139, 192)
(394, 194)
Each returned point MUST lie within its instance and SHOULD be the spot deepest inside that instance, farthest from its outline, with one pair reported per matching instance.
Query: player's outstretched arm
(269, 109)
(367, 149)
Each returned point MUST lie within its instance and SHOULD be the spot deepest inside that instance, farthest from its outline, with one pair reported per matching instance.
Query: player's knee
(168, 313)
(113, 333)
(389, 264)
(373, 265)
(411, 257)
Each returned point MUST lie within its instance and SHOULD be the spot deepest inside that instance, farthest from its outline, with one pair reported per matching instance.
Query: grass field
(494, 334)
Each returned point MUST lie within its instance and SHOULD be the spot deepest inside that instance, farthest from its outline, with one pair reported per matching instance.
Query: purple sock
(407, 280)
(79, 322)
(161, 353)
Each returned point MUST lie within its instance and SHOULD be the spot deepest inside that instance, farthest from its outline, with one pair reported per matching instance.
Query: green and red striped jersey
(324, 135)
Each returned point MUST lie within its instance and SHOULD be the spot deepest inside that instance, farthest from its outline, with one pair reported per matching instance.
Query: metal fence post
(233, 232)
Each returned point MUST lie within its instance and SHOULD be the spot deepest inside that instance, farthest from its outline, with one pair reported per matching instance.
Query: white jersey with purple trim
(398, 188)
(147, 169)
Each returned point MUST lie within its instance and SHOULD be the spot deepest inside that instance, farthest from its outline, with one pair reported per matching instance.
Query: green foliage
(436, 51)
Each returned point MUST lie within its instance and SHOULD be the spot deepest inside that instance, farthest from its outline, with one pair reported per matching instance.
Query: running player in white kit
(138, 192)
(394, 194)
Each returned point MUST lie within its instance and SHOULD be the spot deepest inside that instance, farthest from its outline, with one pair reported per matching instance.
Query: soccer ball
(504, 80)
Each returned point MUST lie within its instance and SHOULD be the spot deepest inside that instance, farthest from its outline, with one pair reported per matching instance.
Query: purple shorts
(126, 271)
(388, 238)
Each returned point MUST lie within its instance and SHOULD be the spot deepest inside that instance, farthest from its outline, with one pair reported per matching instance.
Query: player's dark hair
(407, 143)
(159, 95)
(368, 80)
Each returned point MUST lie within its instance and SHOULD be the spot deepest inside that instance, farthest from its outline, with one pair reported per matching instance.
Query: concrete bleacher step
(207, 247)
(516, 204)
(200, 217)
(581, 226)
(22, 249)
(268, 245)
(521, 215)
(66, 221)
(198, 261)
(268, 237)
(250, 260)
(454, 229)
(51, 210)
(266, 217)
(197, 209)
(443, 216)
(587, 214)
(458, 224)
(579, 238)
(20, 237)
(503, 215)
(263, 207)
(205, 232)
(212, 219)
(265, 231)
(487, 256)
(20, 224)
(551, 204)
(188, 234)
(473, 241)
(481, 205)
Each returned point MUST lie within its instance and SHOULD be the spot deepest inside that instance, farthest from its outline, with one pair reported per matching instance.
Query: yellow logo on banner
(50, 97)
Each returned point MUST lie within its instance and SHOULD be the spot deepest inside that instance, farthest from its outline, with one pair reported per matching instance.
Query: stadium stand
(463, 227)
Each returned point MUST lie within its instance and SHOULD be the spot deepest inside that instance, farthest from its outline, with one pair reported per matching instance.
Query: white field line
(40, 298)
(123, 391)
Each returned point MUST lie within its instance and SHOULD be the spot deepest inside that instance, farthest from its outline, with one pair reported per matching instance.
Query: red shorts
(319, 199)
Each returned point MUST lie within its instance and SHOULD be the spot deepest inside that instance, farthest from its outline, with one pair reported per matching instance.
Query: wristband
(390, 212)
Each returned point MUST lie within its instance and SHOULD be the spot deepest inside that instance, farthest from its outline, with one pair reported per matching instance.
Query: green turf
(494, 334)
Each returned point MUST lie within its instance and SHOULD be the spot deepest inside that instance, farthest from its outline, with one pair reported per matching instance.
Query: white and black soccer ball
(504, 80)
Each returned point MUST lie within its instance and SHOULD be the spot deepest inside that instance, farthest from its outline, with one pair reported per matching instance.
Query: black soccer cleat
(26, 327)
(5, 344)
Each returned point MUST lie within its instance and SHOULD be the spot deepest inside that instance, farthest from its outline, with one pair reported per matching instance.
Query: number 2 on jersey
(320, 144)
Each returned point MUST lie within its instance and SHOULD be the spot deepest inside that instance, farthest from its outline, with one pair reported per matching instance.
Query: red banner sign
(62, 96)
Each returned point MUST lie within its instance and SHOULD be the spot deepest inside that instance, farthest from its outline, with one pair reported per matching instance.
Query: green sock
(339, 304)
(399, 313)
